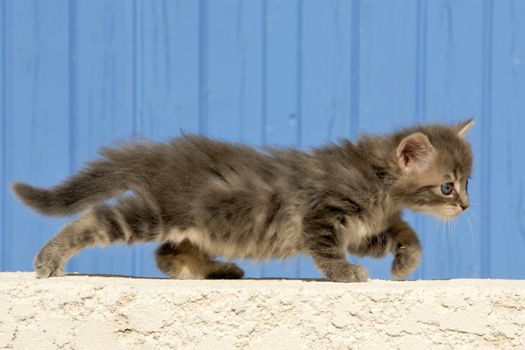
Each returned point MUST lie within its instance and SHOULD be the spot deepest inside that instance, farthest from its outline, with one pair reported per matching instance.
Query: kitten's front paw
(406, 261)
(349, 273)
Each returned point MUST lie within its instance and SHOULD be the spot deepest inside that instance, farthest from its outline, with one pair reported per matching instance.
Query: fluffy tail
(99, 181)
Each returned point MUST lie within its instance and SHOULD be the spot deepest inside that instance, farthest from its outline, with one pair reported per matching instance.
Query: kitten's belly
(204, 242)
(277, 242)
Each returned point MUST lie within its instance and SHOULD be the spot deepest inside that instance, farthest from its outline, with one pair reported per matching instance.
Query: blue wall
(78, 74)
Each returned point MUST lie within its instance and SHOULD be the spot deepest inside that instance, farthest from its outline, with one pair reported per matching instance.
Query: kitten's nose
(464, 206)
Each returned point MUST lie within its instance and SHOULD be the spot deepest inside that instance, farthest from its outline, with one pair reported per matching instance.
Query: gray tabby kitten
(202, 198)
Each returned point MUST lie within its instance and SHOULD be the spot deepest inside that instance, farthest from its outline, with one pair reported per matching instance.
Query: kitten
(202, 198)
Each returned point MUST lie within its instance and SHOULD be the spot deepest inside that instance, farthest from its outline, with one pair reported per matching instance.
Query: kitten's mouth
(448, 217)
(450, 214)
(446, 214)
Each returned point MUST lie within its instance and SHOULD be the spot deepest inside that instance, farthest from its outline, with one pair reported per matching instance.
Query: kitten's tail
(99, 181)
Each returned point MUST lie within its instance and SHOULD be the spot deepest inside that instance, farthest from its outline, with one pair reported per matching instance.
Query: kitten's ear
(415, 153)
(463, 127)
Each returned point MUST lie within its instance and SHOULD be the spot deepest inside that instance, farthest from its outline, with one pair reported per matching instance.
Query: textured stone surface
(80, 312)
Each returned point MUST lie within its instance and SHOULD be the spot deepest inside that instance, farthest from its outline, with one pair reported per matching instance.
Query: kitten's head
(435, 163)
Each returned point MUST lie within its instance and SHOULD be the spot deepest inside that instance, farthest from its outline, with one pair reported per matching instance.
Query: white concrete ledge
(76, 312)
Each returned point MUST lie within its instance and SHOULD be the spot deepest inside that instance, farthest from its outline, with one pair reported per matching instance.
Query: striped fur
(201, 198)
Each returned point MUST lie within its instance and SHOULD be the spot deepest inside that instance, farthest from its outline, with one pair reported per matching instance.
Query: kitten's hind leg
(225, 271)
(185, 261)
(129, 221)
(84, 232)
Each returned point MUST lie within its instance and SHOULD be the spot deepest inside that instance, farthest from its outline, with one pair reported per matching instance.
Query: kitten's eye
(447, 188)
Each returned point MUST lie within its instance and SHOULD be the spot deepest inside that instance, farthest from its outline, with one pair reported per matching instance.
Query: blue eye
(447, 188)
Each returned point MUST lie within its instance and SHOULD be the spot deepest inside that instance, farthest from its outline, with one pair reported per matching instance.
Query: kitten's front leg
(406, 249)
(327, 250)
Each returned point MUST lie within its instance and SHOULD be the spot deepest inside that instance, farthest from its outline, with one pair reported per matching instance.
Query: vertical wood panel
(167, 67)
(506, 228)
(35, 118)
(5, 233)
(234, 74)
(420, 106)
(101, 94)
(453, 93)
(234, 77)
(486, 130)
(166, 87)
(203, 66)
(326, 78)
(250, 52)
(387, 65)
(75, 75)
(281, 95)
(355, 68)
(281, 68)
(327, 62)
(387, 79)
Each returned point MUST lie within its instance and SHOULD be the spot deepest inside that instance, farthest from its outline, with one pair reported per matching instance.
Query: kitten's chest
(358, 228)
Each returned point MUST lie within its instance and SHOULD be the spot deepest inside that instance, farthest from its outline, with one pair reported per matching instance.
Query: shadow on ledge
(167, 278)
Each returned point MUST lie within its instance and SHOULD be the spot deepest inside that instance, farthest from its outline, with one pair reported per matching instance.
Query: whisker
(473, 215)
(449, 227)
(442, 224)
(478, 220)
(453, 231)
(447, 232)
(471, 229)
(454, 234)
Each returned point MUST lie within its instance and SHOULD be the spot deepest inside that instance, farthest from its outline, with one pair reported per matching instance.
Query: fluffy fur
(203, 198)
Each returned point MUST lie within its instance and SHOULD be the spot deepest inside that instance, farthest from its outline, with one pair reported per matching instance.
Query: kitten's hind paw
(225, 271)
(47, 271)
(46, 268)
